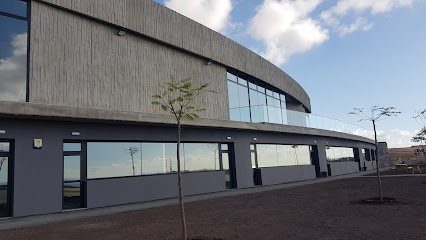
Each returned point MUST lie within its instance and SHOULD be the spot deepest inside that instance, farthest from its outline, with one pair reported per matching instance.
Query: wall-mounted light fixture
(2, 131)
(254, 139)
(326, 142)
(209, 62)
(75, 133)
(121, 32)
(315, 141)
(228, 138)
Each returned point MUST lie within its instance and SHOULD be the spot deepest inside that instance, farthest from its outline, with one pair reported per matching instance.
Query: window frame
(27, 18)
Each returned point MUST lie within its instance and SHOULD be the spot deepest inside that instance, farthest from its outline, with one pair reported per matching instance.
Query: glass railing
(268, 114)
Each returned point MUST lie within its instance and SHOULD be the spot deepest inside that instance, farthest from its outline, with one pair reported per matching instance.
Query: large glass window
(239, 109)
(120, 159)
(271, 155)
(339, 154)
(13, 51)
(249, 102)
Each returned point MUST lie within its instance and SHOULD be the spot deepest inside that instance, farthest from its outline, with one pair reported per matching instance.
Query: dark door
(74, 181)
(228, 165)
(6, 162)
(315, 160)
(357, 158)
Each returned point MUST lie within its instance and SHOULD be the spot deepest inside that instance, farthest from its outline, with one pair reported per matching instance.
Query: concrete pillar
(383, 154)
(322, 156)
(244, 170)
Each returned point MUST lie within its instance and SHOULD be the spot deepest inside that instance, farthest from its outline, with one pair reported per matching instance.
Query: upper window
(15, 7)
(249, 102)
(13, 51)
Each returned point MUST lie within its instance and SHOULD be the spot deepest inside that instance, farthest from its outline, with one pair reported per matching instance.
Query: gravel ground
(321, 211)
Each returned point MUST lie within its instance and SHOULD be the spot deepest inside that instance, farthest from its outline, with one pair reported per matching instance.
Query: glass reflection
(269, 155)
(71, 168)
(159, 158)
(4, 146)
(72, 147)
(15, 7)
(4, 204)
(231, 77)
(13, 59)
(339, 154)
(201, 157)
(72, 195)
(106, 159)
(115, 159)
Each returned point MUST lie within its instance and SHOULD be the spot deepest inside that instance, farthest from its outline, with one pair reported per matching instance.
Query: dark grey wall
(277, 175)
(340, 168)
(107, 192)
(38, 172)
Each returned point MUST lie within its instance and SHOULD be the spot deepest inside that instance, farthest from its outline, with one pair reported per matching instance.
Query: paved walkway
(22, 222)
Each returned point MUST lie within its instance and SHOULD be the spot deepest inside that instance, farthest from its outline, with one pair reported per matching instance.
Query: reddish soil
(322, 211)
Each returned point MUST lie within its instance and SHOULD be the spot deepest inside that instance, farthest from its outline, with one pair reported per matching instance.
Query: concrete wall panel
(116, 191)
(340, 168)
(277, 175)
(82, 63)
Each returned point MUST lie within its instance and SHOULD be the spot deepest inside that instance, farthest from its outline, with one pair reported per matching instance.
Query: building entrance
(5, 178)
(74, 181)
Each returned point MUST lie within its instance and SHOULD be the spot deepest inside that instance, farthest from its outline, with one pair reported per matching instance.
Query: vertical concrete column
(322, 156)
(361, 157)
(243, 163)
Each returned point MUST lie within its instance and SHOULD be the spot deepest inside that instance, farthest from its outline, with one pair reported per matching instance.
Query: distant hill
(413, 153)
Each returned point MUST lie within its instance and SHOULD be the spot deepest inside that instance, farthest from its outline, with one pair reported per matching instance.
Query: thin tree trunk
(376, 153)
(133, 165)
(182, 208)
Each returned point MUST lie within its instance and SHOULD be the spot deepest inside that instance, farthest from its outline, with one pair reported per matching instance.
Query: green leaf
(195, 115)
(189, 117)
(164, 107)
(155, 103)
(157, 96)
(179, 99)
(201, 110)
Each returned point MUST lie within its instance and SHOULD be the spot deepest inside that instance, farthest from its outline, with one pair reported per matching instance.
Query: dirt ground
(320, 211)
(417, 169)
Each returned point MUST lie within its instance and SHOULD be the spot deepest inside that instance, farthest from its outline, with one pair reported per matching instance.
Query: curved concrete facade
(174, 35)
(89, 86)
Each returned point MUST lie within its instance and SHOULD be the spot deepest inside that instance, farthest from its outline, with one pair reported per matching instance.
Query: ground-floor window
(275, 155)
(339, 154)
(122, 159)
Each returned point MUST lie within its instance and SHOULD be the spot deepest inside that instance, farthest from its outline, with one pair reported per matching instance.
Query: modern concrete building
(78, 130)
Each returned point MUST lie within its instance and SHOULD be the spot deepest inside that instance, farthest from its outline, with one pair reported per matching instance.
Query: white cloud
(286, 28)
(334, 15)
(214, 14)
(13, 71)
(404, 133)
(360, 23)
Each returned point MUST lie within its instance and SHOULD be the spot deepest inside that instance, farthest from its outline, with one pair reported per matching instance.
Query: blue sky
(344, 53)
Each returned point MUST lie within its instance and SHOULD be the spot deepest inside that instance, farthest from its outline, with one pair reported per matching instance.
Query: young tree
(176, 98)
(421, 117)
(132, 151)
(421, 137)
(377, 114)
